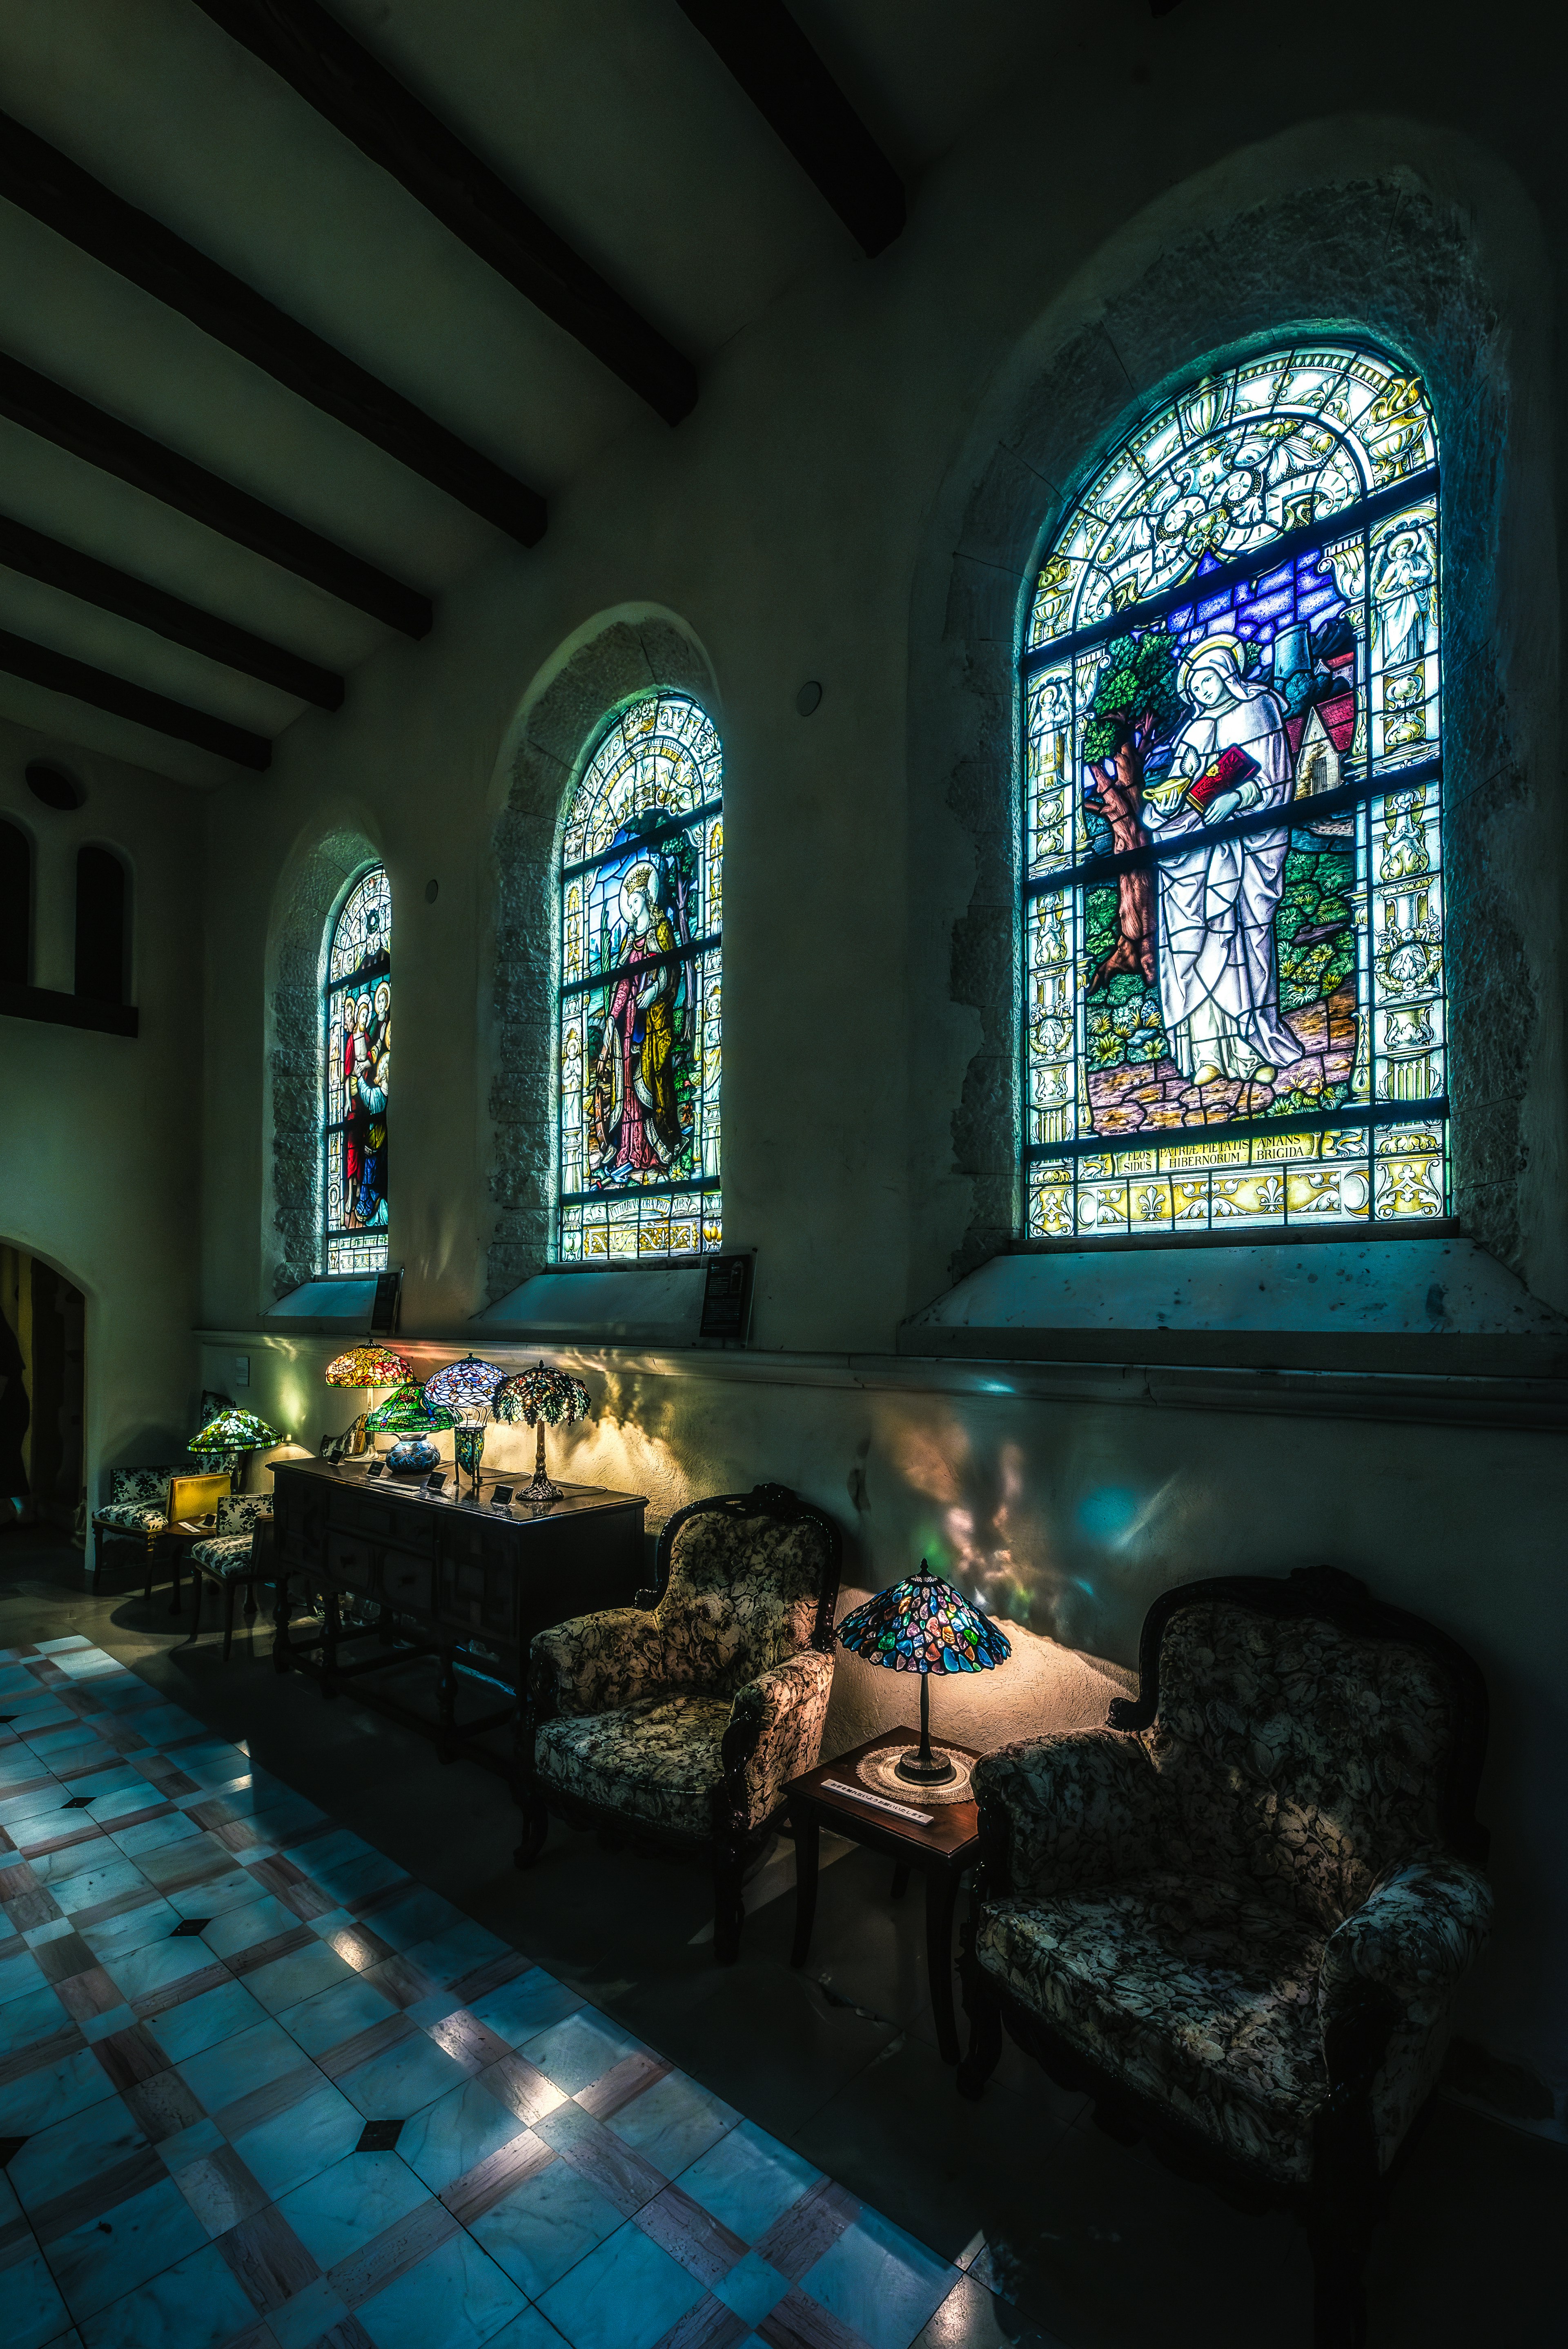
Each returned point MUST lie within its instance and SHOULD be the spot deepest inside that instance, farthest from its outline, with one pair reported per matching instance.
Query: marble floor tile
(626, 2294)
(580, 2050)
(456, 2299)
(749, 2181)
(90, 1886)
(329, 2017)
(341, 2212)
(752, 2289)
(296, 2145)
(19, 1973)
(541, 2230)
(299, 1975)
(195, 2304)
(34, 2312)
(36, 2014)
(199, 2024)
(456, 1951)
(135, 1929)
(312, 2315)
(880, 2282)
(233, 2067)
(152, 1835)
(156, 1963)
(111, 2253)
(52, 2092)
(416, 1918)
(520, 2008)
(403, 2079)
(457, 2133)
(673, 2123)
(258, 1920)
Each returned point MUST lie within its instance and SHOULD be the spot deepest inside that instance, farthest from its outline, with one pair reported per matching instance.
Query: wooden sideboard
(401, 1573)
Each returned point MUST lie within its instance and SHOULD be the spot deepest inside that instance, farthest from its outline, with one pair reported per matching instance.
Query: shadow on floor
(1094, 2244)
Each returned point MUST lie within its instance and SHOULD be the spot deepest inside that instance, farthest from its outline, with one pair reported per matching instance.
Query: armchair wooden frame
(1346, 2194)
(732, 1843)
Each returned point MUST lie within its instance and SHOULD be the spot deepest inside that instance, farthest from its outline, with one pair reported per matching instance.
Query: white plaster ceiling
(612, 119)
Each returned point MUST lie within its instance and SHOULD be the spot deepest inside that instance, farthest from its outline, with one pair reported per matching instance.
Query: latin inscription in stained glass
(356, 1077)
(1232, 901)
(640, 1041)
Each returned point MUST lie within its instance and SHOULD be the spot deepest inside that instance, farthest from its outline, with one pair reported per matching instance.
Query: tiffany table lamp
(374, 1368)
(924, 1626)
(223, 1439)
(464, 1390)
(408, 1417)
(539, 1397)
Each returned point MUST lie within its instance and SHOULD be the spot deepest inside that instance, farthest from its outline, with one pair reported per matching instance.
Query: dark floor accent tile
(175, 1993)
(346, 2334)
(797, 2241)
(124, 1820)
(490, 2181)
(373, 2040)
(29, 1906)
(85, 1831)
(76, 1803)
(87, 1993)
(395, 1977)
(130, 2055)
(799, 2323)
(267, 2259)
(10, 2146)
(709, 2325)
(91, 2196)
(472, 1987)
(705, 2248)
(59, 2044)
(121, 1906)
(191, 1925)
(622, 2085)
(468, 2040)
(379, 2136)
(261, 1953)
(264, 2104)
(220, 2190)
(65, 1955)
(163, 2107)
(522, 2088)
(392, 2254)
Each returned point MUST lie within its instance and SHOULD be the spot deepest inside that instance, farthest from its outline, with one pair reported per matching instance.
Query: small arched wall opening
(103, 934)
(1423, 244)
(314, 882)
(613, 659)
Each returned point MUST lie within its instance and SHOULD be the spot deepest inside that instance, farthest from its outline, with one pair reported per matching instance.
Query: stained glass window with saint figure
(639, 1005)
(356, 1054)
(1232, 916)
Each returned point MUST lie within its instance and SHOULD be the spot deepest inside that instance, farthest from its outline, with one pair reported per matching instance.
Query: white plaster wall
(100, 1135)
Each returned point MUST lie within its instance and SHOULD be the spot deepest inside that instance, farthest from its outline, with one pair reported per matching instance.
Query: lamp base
(542, 1489)
(916, 1772)
(879, 1771)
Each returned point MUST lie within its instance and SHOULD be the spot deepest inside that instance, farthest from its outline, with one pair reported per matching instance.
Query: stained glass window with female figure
(641, 914)
(356, 1035)
(1232, 916)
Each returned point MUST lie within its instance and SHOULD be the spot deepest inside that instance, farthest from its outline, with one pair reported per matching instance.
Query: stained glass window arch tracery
(639, 1001)
(1233, 961)
(357, 1070)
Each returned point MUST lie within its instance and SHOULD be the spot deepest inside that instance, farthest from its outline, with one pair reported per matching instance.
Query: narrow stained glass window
(1232, 916)
(639, 1006)
(356, 1032)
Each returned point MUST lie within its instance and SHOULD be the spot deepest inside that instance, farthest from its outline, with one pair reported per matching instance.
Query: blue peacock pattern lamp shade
(922, 1625)
(467, 1385)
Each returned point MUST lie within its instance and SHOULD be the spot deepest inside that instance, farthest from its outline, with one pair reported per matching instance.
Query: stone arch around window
(1440, 280)
(312, 890)
(619, 657)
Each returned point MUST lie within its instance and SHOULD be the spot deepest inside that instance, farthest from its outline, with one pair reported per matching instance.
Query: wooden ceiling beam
(73, 423)
(359, 96)
(92, 582)
(41, 181)
(41, 665)
(790, 86)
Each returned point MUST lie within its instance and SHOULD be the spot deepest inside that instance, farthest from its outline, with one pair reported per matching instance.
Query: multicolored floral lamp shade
(369, 1366)
(407, 1412)
(542, 1398)
(922, 1625)
(466, 1385)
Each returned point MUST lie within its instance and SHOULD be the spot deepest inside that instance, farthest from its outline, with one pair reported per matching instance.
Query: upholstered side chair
(233, 1556)
(1239, 1916)
(680, 1725)
(133, 1512)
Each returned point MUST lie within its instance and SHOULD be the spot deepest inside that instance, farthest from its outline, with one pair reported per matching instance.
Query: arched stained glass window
(1232, 918)
(356, 1033)
(640, 1030)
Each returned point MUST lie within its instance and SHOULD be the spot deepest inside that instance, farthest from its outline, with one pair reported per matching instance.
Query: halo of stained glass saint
(639, 1043)
(1232, 915)
(922, 1625)
(356, 1071)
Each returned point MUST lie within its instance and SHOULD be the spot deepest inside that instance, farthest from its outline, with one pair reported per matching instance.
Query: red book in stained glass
(1231, 768)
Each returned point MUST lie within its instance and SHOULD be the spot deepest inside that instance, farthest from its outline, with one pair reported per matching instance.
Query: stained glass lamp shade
(924, 1625)
(369, 1366)
(539, 1398)
(232, 1432)
(407, 1412)
(467, 1385)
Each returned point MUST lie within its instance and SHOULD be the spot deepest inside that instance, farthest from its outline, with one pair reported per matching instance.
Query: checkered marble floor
(260, 2088)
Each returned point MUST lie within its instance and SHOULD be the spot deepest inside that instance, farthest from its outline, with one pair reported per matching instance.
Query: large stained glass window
(1232, 920)
(639, 1042)
(357, 1030)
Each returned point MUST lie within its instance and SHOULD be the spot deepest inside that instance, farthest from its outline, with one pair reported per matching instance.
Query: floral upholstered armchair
(1240, 1916)
(228, 1558)
(133, 1512)
(681, 1725)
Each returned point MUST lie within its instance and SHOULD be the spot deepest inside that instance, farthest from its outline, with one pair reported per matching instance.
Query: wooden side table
(942, 1851)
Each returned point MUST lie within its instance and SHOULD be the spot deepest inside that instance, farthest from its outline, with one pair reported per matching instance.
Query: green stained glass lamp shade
(541, 1397)
(922, 1625)
(407, 1412)
(234, 1430)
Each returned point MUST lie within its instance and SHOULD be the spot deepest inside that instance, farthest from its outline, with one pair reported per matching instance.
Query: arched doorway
(43, 1320)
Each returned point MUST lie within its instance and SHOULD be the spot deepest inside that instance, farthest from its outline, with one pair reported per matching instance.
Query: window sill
(59, 1011)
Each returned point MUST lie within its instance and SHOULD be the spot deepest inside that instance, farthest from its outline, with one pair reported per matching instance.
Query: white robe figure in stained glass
(1217, 964)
